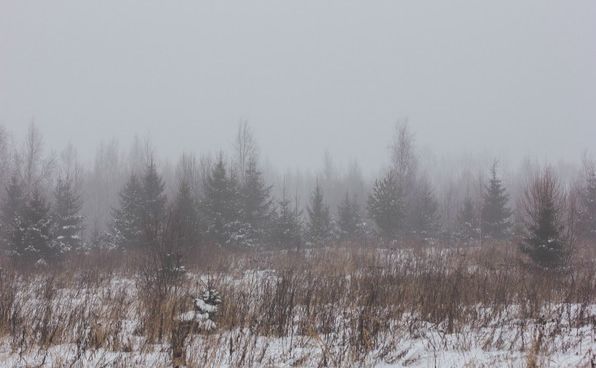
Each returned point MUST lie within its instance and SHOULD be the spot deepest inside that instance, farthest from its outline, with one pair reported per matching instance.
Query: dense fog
(505, 79)
(448, 181)
(307, 183)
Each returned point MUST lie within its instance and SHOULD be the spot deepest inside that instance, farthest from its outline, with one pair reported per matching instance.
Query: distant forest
(52, 204)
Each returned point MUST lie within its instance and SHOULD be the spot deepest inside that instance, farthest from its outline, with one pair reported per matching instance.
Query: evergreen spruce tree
(423, 219)
(467, 221)
(221, 204)
(256, 200)
(287, 227)
(238, 232)
(13, 208)
(545, 241)
(185, 217)
(319, 224)
(405, 169)
(67, 221)
(128, 218)
(495, 215)
(587, 213)
(37, 230)
(385, 206)
(349, 219)
(153, 204)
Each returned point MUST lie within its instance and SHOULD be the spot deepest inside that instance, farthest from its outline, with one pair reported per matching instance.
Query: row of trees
(549, 221)
(396, 211)
(231, 204)
(233, 209)
(34, 230)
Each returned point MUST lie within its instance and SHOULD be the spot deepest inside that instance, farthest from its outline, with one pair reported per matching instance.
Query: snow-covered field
(420, 345)
(268, 318)
(432, 348)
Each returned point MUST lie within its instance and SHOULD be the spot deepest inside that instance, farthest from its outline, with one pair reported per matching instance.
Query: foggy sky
(505, 77)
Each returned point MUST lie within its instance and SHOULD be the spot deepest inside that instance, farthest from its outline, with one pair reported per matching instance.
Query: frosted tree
(495, 214)
(204, 315)
(348, 218)
(68, 224)
(543, 210)
(208, 305)
(319, 219)
(385, 206)
(128, 218)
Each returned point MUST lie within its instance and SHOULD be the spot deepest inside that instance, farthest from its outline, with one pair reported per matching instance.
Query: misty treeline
(53, 205)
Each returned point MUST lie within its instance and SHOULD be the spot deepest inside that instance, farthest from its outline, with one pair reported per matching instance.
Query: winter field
(317, 184)
(332, 307)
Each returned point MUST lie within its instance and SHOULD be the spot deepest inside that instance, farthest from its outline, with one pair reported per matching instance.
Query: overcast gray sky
(507, 77)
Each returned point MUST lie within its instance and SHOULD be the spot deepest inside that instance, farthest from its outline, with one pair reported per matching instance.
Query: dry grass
(349, 302)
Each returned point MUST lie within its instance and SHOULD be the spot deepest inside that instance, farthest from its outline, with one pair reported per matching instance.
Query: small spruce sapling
(206, 307)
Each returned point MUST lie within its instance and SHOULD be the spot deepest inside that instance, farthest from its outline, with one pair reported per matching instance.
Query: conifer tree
(153, 203)
(467, 221)
(128, 218)
(423, 219)
(543, 207)
(349, 219)
(495, 215)
(221, 203)
(13, 208)
(185, 217)
(37, 229)
(255, 198)
(319, 224)
(405, 169)
(67, 221)
(287, 227)
(385, 206)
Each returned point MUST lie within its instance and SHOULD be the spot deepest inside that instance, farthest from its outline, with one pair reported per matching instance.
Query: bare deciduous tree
(403, 154)
(35, 168)
(245, 148)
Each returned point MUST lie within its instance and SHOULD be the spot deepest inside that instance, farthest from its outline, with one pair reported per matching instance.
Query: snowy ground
(423, 345)
(97, 324)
